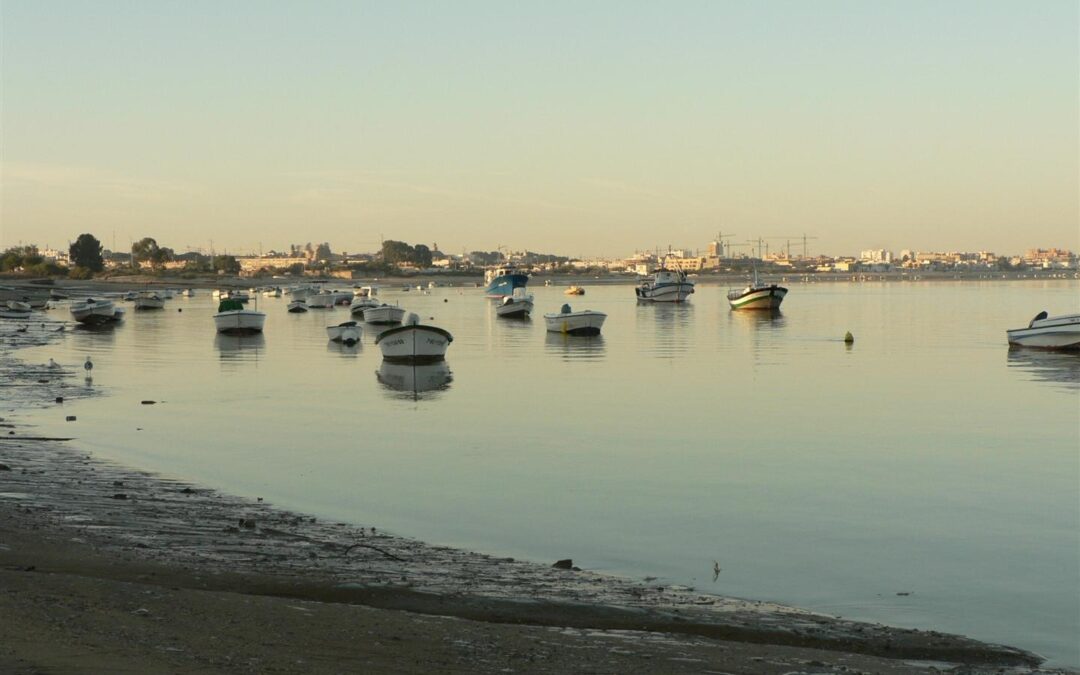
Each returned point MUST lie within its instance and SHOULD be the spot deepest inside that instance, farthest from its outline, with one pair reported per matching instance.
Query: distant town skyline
(584, 130)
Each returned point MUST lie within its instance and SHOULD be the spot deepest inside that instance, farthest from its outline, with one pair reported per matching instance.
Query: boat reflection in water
(574, 348)
(404, 380)
(1059, 367)
(348, 351)
(239, 348)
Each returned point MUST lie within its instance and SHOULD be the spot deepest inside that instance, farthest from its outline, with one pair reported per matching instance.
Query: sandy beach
(109, 569)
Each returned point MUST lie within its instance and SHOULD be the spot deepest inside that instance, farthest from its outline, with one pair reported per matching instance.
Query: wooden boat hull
(760, 297)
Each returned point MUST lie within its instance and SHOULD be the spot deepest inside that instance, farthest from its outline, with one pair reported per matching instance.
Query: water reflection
(667, 325)
(347, 351)
(407, 381)
(768, 319)
(574, 347)
(1049, 366)
(239, 348)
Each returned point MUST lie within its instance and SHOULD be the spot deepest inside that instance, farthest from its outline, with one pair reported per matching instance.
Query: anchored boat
(1048, 332)
(346, 333)
(517, 306)
(757, 296)
(414, 342)
(95, 312)
(387, 315)
(665, 286)
(567, 321)
(501, 281)
(233, 319)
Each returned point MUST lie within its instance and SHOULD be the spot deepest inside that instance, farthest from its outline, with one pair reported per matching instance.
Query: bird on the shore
(88, 366)
(53, 364)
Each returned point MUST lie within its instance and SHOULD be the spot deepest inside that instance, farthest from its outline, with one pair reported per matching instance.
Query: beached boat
(413, 342)
(95, 312)
(384, 314)
(149, 300)
(1048, 332)
(16, 309)
(586, 322)
(298, 306)
(574, 290)
(347, 333)
(757, 296)
(517, 306)
(665, 286)
(501, 281)
(233, 319)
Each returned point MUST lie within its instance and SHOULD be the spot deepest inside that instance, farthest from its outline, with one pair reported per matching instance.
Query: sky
(580, 128)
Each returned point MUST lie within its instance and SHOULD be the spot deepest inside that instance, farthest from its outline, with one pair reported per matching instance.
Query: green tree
(86, 252)
(161, 256)
(227, 264)
(396, 252)
(145, 249)
(323, 252)
(422, 256)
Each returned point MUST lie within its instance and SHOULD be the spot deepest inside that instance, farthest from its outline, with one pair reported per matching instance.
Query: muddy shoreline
(70, 521)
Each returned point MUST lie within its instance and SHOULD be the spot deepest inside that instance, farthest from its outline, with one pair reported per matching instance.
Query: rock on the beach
(567, 564)
(5, 467)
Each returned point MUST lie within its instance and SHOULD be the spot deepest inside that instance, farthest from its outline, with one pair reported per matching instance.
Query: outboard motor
(565, 309)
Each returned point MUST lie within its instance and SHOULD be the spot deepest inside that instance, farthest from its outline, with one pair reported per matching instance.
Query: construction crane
(720, 237)
(803, 236)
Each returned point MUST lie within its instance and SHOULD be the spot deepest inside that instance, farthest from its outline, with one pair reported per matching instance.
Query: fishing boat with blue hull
(665, 286)
(501, 281)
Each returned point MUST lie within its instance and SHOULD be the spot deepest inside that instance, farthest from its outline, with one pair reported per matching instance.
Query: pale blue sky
(572, 127)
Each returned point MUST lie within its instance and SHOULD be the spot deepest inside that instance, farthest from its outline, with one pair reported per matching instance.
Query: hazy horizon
(579, 129)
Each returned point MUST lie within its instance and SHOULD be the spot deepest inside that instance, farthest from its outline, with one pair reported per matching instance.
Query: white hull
(15, 310)
(320, 300)
(360, 304)
(665, 286)
(239, 321)
(518, 306)
(758, 297)
(1056, 332)
(149, 302)
(587, 322)
(346, 333)
(384, 314)
(94, 312)
(414, 344)
(276, 293)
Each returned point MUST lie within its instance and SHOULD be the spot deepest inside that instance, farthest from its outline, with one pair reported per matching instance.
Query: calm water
(926, 459)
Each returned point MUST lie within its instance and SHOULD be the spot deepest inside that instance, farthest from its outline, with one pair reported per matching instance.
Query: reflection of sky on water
(927, 456)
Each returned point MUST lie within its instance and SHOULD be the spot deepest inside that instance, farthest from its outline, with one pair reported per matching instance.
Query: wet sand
(110, 569)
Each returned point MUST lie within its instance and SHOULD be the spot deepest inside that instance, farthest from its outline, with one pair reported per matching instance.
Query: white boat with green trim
(757, 296)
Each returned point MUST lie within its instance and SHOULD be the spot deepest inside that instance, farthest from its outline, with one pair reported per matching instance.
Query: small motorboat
(323, 299)
(272, 293)
(567, 321)
(574, 290)
(346, 333)
(665, 286)
(387, 315)
(233, 319)
(413, 342)
(149, 300)
(188, 293)
(516, 306)
(93, 312)
(298, 306)
(757, 296)
(1048, 332)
